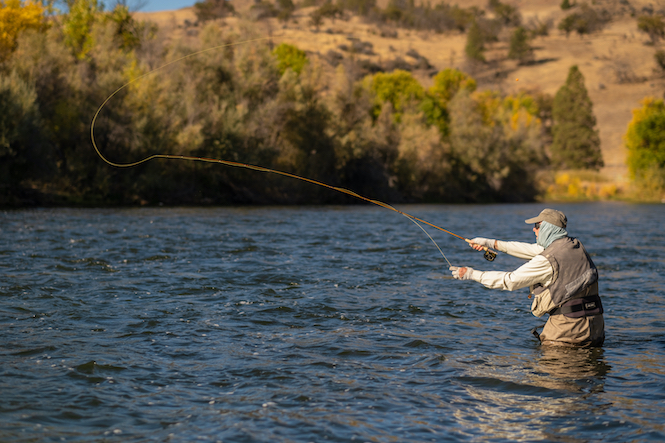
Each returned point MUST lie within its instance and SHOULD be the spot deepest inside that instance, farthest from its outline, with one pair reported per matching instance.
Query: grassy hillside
(617, 62)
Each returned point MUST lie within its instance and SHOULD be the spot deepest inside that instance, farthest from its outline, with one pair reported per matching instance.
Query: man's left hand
(461, 273)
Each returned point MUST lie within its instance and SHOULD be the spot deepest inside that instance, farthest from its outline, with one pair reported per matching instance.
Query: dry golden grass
(618, 50)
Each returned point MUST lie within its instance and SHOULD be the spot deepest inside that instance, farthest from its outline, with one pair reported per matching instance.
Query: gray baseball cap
(557, 218)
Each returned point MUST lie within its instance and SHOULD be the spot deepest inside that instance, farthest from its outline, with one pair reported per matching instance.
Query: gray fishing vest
(575, 275)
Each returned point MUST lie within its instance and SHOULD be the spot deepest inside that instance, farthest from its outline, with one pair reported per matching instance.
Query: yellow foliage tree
(15, 17)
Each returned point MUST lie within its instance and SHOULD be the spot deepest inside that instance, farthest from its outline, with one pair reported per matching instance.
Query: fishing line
(489, 254)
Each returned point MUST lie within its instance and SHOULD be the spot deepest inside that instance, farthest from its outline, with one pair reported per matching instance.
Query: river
(299, 324)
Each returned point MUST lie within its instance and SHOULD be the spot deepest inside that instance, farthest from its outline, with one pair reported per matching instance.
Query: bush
(509, 15)
(290, 57)
(360, 7)
(213, 9)
(653, 25)
(585, 21)
(659, 56)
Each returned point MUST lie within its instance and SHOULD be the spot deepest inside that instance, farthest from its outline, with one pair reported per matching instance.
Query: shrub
(659, 56)
(213, 9)
(565, 5)
(508, 14)
(653, 25)
(585, 21)
(360, 7)
(290, 57)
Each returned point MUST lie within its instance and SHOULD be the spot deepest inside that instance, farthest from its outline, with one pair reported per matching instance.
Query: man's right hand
(480, 243)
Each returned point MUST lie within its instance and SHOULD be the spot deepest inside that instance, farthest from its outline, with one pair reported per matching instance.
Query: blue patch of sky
(161, 5)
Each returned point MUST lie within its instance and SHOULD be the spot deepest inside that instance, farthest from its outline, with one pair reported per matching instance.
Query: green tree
(435, 105)
(129, 31)
(475, 47)
(575, 144)
(399, 88)
(565, 5)
(77, 26)
(520, 49)
(645, 141)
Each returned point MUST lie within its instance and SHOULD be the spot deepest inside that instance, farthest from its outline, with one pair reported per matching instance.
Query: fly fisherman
(561, 278)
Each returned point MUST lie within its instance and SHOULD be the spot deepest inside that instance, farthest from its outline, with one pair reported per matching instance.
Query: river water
(316, 324)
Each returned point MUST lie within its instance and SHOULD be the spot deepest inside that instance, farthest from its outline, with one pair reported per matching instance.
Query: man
(560, 275)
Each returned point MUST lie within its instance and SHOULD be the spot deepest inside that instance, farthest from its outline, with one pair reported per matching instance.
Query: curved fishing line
(246, 165)
(430, 237)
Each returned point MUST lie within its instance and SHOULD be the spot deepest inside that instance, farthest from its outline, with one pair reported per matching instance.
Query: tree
(435, 105)
(475, 47)
(16, 17)
(519, 45)
(576, 144)
(399, 88)
(645, 141)
(653, 25)
(77, 26)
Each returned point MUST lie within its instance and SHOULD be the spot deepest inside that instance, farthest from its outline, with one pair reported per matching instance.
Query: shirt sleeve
(518, 249)
(537, 270)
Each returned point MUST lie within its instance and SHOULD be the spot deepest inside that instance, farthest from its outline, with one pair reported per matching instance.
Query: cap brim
(533, 220)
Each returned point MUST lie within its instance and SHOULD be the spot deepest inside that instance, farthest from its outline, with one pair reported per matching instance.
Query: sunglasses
(537, 225)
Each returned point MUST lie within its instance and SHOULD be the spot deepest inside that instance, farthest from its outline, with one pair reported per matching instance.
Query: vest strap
(580, 307)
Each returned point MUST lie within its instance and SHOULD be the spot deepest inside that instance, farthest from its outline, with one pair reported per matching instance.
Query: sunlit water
(315, 324)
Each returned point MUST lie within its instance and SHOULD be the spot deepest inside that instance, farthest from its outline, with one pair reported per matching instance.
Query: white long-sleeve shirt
(537, 270)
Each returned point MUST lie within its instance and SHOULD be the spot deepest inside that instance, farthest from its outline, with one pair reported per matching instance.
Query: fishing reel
(489, 254)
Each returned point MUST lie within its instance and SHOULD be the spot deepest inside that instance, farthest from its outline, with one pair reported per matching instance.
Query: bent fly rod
(489, 254)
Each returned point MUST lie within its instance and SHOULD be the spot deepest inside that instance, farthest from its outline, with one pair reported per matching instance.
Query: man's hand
(480, 243)
(461, 273)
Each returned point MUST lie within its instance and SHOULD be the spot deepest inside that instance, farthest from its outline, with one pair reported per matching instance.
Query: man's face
(536, 228)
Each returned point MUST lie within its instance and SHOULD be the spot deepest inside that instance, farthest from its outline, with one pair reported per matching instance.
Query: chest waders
(574, 286)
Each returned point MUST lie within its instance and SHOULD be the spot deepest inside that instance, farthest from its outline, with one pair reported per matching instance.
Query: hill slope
(617, 62)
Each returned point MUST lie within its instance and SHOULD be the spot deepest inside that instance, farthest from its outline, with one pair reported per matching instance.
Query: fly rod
(489, 254)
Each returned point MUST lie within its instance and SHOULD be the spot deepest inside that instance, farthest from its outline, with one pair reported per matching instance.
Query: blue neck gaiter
(549, 233)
